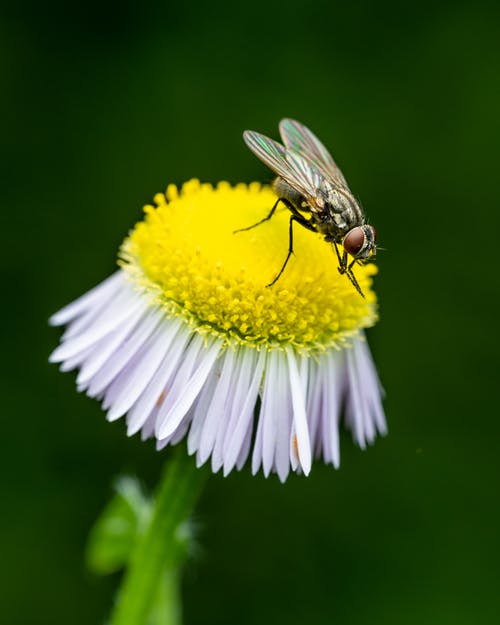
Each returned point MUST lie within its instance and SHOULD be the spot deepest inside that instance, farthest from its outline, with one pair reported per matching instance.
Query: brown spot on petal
(161, 398)
(295, 444)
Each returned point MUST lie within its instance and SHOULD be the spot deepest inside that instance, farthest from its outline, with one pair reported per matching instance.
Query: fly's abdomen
(284, 190)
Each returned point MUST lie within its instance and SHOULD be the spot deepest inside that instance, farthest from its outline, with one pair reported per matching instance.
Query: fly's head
(361, 242)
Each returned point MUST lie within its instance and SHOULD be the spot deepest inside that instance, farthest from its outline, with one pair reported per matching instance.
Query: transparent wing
(300, 139)
(289, 165)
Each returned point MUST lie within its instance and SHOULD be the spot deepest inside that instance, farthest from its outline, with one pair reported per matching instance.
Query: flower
(186, 339)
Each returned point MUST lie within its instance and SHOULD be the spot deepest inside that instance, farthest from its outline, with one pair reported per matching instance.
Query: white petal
(91, 316)
(154, 392)
(243, 426)
(269, 412)
(301, 435)
(355, 408)
(245, 448)
(257, 446)
(129, 385)
(125, 353)
(314, 406)
(236, 396)
(363, 391)
(201, 406)
(85, 320)
(332, 373)
(72, 363)
(216, 409)
(185, 392)
(101, 293)
(108, 346)
(148, 429)
(372, 387)
(284, 419)
(121, 308)
(179, 433)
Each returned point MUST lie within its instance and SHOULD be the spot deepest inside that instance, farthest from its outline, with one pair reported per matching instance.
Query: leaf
(114, 534)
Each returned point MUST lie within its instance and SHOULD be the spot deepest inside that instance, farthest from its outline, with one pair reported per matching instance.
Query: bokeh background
(102, 105)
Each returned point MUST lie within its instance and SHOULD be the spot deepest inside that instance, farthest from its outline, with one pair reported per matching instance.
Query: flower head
(187, 339)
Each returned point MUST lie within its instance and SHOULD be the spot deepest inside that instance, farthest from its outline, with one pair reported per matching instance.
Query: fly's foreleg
(346, 268)
(342, 259)
(290, 250)
(303, 222)
(271, 213)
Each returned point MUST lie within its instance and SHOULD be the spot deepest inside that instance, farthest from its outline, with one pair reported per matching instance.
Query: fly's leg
(271, 213)
(345, 268)
(303, 222)
(290, 250)
(296, 216)
(355, 284)
(342, 259)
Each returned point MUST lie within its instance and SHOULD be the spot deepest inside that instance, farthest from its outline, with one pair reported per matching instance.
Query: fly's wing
(300, 139)
(302, 175)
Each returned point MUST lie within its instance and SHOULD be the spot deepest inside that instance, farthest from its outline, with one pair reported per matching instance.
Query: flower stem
(158, 556)
(168, 606)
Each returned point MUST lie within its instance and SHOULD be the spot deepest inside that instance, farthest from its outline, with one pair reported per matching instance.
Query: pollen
(186, 255)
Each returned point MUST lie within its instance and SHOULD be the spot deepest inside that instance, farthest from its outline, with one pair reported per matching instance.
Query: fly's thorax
(341, 202)
(334, 219)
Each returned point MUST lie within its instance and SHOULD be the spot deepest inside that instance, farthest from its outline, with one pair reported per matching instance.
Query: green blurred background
(102, 105)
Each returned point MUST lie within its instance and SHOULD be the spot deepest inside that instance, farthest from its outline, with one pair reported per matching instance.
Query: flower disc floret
(191, 262)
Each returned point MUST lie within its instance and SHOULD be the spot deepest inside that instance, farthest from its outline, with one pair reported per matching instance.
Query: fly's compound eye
(354, 241)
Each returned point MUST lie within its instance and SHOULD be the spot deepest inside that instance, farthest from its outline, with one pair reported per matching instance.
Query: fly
(310, 184)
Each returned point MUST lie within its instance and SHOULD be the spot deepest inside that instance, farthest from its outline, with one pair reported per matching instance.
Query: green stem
(157, 552)
(168, 606)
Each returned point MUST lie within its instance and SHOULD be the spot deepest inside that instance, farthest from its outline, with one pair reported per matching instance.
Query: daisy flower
(186, 340)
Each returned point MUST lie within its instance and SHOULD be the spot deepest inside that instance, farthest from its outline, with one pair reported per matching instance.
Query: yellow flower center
(186, 254)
